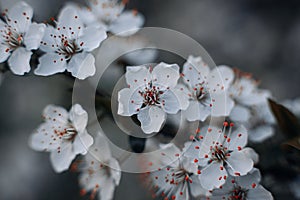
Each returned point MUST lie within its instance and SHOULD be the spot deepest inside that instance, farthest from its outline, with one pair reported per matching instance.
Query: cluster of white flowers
(67, 46)
(214, 164)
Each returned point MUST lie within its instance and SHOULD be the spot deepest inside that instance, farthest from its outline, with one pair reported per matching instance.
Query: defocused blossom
(179, 176)
(63, 134)
(244, 187)
(219, 153)
(68, 46)
(110, 16)
(293, 105)
(251, 107)
(18, 37)
(100, 172)
(207, 89)
(151, 94)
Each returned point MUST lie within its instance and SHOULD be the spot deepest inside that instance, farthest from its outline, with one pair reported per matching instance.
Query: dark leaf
(287, 121)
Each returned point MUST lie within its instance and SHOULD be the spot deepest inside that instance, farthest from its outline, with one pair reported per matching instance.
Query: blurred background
(257, 36)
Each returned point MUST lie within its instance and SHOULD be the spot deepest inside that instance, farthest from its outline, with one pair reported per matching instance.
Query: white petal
(259, 193)
(79, 117)
(165, 75)
(19, 61)
(20, 16)
(100, 149)
(53, 113)
(115, 170)
(173, 101)
(220, 79)
(82, 65)
(137, 76)
(45, 137)
(34, 35)
(239, 163)
(69, 22)
(240, 114)
(238, 138)
(195, 188)
(212, 176)
(221, 104)
(50, 41)
(4, 53)
(151, 118)
(197, 111)
(107, 189)
(195, 71)
(250, 153)
(127, 23)
(49, 64)
(246, 181)
(82, 143)
(61, 160)
(261, 133)
(129, 102)
(91, 38)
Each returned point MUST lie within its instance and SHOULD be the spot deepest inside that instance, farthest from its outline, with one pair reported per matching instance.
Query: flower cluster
(67, 45)
(226, 104)
(216, 163)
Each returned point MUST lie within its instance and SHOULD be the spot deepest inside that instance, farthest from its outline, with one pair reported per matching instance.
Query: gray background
(257, 36)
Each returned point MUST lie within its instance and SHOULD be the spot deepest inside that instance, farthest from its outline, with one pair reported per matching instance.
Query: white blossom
(18, 37)
(68, 46)
(178, 178)
(244, 187)
(219, 153)
(207, 89)
(151, 94)
(101, 172)
(63, 134)
(251, 107)
(110, 16)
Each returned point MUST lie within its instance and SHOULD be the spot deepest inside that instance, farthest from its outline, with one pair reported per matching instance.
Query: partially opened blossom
(219, 153)
(244, 188)
(68, 46)
(251, 107)
(101, 172)
(206, 89)
(178, 178)
(18, 36)
(63, 134)
(110, 15)
(151, 94)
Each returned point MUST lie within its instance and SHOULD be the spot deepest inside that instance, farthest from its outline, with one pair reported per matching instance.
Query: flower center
(151, 95)
(69, 133)
(239, 194)
(180, 175)
(12, 38)
(68, 48)
(219, 153)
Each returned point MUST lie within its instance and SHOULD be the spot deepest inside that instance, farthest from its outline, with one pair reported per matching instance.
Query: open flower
(151, 94)
(68, 46)
(206, 89)
(179, 176)
(219, 153)
(100, 172)
(110, 15)
(18, 36)
(244, 187)
(251, 107)
(63, 134)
